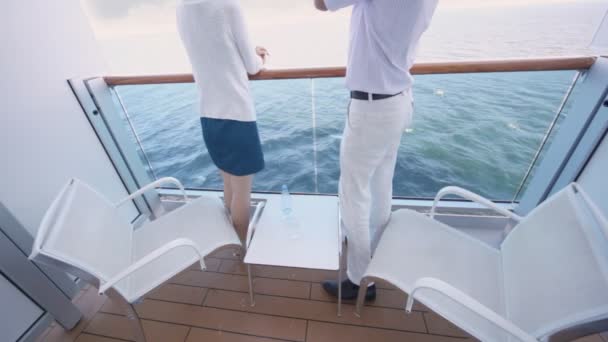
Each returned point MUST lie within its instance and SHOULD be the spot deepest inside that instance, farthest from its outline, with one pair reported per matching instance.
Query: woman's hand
(262, 52)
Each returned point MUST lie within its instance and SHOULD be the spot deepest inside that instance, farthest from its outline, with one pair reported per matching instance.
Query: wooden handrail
(508, 65)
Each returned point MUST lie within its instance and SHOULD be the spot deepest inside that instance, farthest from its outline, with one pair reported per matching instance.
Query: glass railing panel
(562, 112)
(166, 129)
(284, 110)
(331, 102)
(164, 124)
(478, 131)
(484, 132)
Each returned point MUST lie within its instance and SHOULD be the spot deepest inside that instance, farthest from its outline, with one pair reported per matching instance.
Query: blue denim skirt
(234, 146)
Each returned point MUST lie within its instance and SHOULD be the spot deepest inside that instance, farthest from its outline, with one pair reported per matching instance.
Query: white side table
(311, 240)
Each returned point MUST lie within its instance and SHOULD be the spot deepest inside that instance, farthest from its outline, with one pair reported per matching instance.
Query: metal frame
(102, 97)
(259, 208)
(37, 328)
(38, 287)
(95, 99)
(574, 143)
(548, 133)
(131, 313)
(587, 146)
(15, 231)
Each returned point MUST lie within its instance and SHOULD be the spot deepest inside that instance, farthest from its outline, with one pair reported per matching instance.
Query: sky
(117, 18)
(140, 36)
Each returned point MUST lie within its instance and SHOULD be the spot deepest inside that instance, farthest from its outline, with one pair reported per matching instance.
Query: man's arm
(334, 5)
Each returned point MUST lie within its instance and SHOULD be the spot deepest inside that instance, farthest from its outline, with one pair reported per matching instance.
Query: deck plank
(179, 294)
(276, 272)
(198, 335)
(112, 308)
(330, 332)
(592, 338)
(316, 310)
(94, 338)
(440, 326)
(227, 253)
(213, 265)
(233, 282)
(212, 318)
(225, 320)
(88, 302)
(119, 327)
(286, 273)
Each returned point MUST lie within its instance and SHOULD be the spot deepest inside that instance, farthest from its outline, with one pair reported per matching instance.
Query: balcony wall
(44, 137)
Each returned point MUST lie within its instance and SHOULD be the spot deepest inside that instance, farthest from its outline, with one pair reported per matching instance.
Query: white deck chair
(549, 275)
(84, 234)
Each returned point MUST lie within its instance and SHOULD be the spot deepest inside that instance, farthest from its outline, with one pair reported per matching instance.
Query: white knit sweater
(216, 40)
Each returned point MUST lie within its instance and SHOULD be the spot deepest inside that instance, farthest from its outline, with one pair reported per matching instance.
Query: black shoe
(349, 290)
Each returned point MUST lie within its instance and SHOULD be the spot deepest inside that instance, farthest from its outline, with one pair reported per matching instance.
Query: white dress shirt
(216, 40)
(383, 40)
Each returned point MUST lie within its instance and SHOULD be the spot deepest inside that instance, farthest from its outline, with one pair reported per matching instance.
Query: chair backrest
(555, 265)
(85, 234)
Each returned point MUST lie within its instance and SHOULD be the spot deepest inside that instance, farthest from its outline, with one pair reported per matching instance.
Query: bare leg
(227, 189)
(240, 205)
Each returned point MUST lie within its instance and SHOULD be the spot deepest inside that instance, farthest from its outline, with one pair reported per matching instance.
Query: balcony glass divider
(541, 148)
(134, 131)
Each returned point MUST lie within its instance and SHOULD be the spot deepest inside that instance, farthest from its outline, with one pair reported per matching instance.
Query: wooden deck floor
(290, 306)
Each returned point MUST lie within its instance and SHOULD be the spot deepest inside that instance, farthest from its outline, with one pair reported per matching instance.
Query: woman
(216, 40)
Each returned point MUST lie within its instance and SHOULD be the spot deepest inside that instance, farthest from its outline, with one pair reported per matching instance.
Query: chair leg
(135, 322)
(340, 289)
(249, 278)
(251, 299)
(132, 316)
(361, 295)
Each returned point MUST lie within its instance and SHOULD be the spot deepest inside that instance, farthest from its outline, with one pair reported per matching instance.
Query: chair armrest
(470, 303)
(254, 222)
(155, 254)
(151, 186)
(454, 190)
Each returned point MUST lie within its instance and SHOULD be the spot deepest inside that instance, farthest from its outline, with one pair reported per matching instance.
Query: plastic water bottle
(285, 201)
(289, 219)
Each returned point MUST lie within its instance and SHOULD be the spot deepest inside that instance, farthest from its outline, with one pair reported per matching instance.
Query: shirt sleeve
(253, 62)
(334, 5)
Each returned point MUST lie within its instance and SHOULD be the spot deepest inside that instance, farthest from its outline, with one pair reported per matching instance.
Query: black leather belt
(361, 95)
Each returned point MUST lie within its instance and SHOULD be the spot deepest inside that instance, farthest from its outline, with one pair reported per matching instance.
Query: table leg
(340, 289)
(132, 315)
(251, 299)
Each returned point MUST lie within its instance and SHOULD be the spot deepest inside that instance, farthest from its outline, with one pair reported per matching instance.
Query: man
(384, 36)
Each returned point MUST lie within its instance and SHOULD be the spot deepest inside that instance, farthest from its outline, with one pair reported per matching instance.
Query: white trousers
(368, 155)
